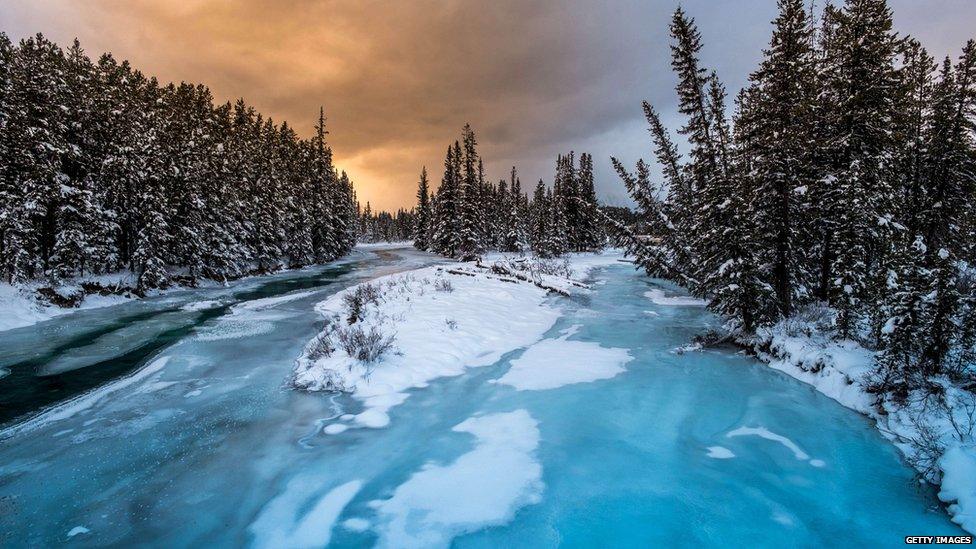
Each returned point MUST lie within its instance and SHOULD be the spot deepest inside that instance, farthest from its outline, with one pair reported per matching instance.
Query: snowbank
(935, 433)
(437, 321)
(21, 306)
(384, 245)
(442, 324)
(483, 487)
(959, 485)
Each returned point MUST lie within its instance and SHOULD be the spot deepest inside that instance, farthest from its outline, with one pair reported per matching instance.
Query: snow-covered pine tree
(951, 179)
(778, 124)
(861, 80)
(471, 223)
(592, 236)
(36, 137)
(323, 174)
(151, 245)
(703, 168)
(444, 240)
(514, 239)
(541, 222)
(421, 230)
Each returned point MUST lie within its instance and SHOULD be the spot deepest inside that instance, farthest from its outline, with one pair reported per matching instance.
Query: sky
(398, 79)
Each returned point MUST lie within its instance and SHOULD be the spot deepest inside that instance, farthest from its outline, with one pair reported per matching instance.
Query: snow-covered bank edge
(400, 332)
(23, 306)
(936, 439)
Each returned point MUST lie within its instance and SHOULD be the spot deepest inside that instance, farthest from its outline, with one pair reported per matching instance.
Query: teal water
(214, 449)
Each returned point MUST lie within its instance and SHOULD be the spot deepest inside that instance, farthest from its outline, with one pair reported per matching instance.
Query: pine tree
(422, 231)
(471, 227)
(592, 236)
(445, 240)
(782, 95)
(863, 81)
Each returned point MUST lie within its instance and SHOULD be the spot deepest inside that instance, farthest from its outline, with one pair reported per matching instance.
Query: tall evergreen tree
(422, 229)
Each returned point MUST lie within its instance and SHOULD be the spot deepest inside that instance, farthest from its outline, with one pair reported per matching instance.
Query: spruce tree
(421, 230)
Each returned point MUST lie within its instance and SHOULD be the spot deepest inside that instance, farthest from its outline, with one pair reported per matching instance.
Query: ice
(285, 522)
(659, 298)
(85, 401)
(77, 530)
(481, 488)
(720, 452)
(622, 461)
(553, 363)
(765, 433)
(356, 524)
(116, 343)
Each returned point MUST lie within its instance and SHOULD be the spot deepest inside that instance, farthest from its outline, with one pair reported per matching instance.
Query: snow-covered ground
(21, 306)
(384, 245)
(438, 321)
(936, 435)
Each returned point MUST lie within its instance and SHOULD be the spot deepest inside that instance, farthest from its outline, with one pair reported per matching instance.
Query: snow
(282, 522)
(21, 307)
(356, 525)
(658, 297)
(958, 466)
(384, 245)
(553, 363)
(765, 433)
(437, 333)
(719, 452)
(77, 530)
(483, 487)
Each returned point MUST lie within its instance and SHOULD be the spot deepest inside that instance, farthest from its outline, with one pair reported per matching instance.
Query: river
(169, 422)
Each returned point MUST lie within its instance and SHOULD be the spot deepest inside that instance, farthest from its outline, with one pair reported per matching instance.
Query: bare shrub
(365, 346)
(451, 323)
(357, 300)
(320, 347)
(810, 319)
(443, 285)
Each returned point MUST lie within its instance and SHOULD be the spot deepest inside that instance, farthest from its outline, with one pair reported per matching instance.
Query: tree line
(844, 177)
(468, 215)
(103, 169)
(381, 226)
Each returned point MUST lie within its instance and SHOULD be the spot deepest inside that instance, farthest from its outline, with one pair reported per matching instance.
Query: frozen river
(173, 426)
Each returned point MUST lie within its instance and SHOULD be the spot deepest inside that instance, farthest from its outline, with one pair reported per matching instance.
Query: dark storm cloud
(399, 79)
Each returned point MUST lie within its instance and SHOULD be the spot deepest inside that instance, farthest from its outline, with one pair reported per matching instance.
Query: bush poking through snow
(551, 267)
(357, 300)
(321, 346)
(366, 346)
(443, 285)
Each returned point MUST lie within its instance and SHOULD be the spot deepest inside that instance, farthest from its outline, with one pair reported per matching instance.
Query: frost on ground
(483, 487)
(553, 363)
(402, 331)
(934, 430)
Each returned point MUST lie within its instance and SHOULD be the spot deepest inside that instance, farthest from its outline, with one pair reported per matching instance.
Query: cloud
(399, 79)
